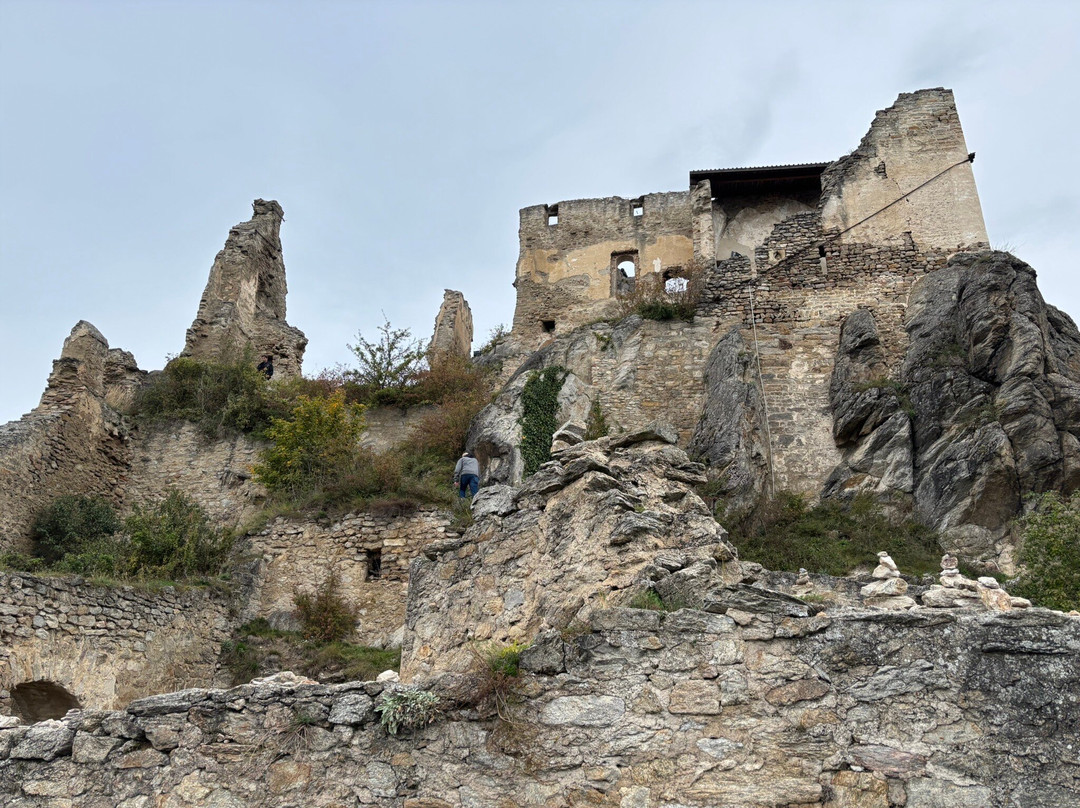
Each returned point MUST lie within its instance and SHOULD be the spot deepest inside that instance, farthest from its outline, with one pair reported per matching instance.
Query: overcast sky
(401, 138)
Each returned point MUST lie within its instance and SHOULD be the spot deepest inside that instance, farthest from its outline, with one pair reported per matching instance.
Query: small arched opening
(41, 700)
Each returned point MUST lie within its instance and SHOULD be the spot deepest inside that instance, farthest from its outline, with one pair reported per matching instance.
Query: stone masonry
(453, 326)
(243, 305)
(106, 645)
(635, 709)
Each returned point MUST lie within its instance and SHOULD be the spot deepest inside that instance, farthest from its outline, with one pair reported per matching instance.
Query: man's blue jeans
(468, 483)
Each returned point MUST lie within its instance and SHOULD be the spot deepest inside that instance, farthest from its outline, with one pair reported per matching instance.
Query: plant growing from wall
(220, 397)
(407, 709)
(498, 668)
(325, 616)
(390, 361)
(595, 423)
(70, 524)
(1051, 553)
(539, 408)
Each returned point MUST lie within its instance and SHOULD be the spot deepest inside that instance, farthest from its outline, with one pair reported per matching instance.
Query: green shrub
(1051, 554)
(222, 398)
(407, 709)
(317, 445)
(325, 616)
(539, 408)
(356, 662)
(173, 539)
(833, 537)
(70, 523)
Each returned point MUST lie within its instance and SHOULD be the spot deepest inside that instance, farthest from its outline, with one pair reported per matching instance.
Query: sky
(401, 138)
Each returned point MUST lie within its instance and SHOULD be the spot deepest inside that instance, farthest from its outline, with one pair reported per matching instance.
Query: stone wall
(73, 442)
(453, 326)
(243, 304)
(566, 270)
(369, 553)
(216, 473)
(686, 709)
(106, 645)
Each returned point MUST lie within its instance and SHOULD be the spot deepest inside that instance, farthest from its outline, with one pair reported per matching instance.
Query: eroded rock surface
(243, 305)
(577, 535)
(984, 412)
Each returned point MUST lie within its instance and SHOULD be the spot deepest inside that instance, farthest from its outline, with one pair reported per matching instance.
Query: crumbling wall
(567, 267)
(73, 442)
(215, 473)
(369, 553)
(453, 326)
(243, 305)
(637, 708)
(106, 645)
(909, 143)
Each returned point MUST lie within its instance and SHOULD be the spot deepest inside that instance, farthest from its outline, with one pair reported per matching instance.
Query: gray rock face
(731, 432)
(243, 304)
(991, 386)
(579, 533)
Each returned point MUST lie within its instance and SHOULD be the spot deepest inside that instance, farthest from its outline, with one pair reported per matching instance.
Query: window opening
(552, 215)
(374, 564)
(627, 267)
(821, 251)
(549, 326)
(637, 207)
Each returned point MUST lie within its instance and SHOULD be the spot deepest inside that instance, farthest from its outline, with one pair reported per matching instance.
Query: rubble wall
(73, 441)
(216, 473)
(300, 556)
(106, 645)
(691, 709)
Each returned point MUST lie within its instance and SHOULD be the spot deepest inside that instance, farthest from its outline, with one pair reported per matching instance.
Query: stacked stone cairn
(888, 589)
(956, 591)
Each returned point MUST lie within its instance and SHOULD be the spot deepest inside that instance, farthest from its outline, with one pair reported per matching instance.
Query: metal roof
(795, 178)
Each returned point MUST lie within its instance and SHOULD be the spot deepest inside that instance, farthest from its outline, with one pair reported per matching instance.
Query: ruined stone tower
(243, 304)
(453, 325)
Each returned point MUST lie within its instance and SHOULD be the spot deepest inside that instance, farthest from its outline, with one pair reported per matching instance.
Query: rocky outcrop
(633, 708)
(453, 326)
(577, 535)
(73, 441)
(991, 389)
(243, 305)
(731, 432)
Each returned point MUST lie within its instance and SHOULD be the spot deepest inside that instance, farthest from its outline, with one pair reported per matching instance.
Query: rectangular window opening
(821, 251)
(548, 326)
(552, 215)
(637, 206)
(374, 564)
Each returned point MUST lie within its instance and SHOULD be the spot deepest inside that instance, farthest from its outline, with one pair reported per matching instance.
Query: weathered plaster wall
(908, 143)
(870, 710)
(106, 645)
(301, 556)
(566, 271)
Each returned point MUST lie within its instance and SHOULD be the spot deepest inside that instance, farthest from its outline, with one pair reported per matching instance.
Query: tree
(391, 361)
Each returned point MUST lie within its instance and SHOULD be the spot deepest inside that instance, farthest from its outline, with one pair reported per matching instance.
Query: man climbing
(266, 367)
(467, 475)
